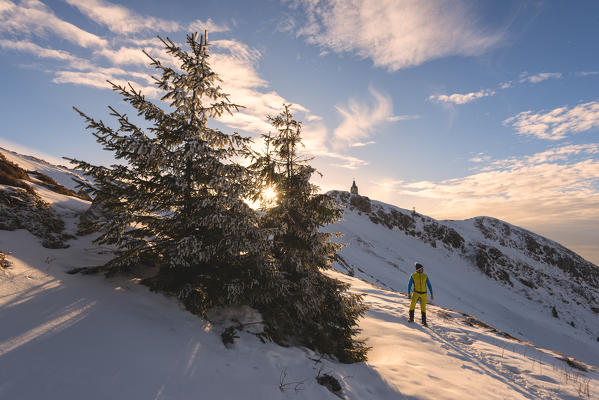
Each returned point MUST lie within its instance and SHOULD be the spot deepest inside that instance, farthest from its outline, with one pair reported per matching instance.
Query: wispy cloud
(316, 138)
(395, 34)
(587, 73)
(362, 144)
(117, 57)
(125, 55)
(479, 158)
(235, 62)
(122, 20)
(524, 77)
(361, 118)
(457, 98)
(38, 51)
(237, 65)
(560, 183)
(33, 17)
(99, 78)
(556, 124)
(82, 71)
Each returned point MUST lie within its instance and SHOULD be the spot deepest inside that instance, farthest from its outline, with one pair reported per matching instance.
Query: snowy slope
(60, 174)
(75, 336)
(78, 336)
(482, 267)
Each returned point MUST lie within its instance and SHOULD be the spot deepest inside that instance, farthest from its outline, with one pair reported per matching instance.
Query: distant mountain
(520, 282)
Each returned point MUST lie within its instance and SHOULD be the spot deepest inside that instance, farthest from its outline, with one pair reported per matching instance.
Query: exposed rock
(23, 209)
(404, 221)
(362, 203)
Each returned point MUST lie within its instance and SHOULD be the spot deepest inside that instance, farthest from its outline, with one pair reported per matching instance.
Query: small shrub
(11, 169)
(229, 335)
(574, 363)
(12, 175)
(4, 263)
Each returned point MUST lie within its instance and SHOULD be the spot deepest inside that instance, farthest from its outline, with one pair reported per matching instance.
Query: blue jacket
(428, 284)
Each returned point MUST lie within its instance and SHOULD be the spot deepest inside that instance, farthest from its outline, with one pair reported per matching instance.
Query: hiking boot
(424, 319)
(411, 316)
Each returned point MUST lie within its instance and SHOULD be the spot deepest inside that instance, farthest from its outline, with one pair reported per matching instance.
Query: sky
(455, 108)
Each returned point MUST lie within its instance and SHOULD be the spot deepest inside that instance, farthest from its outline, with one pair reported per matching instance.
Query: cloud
(360, 119)
(237, 65)
(235, 62)
(316, 138)
(286, 24)
(479, 158)
(457, 98)
(558, 123)
(125, 55)
(524, 77)
(395, 34)
(33, 17)
(86, 72)
(99, 79)
(560, 183)
(362, 144)
(38, 51)
(121, 20)
(587, 73)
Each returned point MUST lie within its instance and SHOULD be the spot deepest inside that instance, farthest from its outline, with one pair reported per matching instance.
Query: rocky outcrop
(411, 223)
(535, 266)
(24, 209)
(538, 250)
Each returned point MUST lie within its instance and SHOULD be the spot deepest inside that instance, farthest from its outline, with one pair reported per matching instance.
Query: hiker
(420, 282)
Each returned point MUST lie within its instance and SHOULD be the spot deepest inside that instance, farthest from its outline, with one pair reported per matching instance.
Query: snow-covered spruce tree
(316, 310)
(176, 202)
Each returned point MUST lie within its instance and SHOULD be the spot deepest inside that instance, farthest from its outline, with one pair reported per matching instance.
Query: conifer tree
(316, 310)
(176, 200)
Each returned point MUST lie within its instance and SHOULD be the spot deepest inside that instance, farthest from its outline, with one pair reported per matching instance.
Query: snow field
(77, 336)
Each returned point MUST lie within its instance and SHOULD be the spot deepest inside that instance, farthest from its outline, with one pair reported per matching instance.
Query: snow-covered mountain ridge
(520, 282)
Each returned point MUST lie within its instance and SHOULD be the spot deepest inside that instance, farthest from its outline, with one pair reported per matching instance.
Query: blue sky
(456, 108)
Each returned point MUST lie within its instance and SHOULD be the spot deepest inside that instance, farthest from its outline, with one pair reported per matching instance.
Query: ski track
(467, 345)
(485, 363)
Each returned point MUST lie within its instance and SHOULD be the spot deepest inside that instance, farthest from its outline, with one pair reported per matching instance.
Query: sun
(269, 196)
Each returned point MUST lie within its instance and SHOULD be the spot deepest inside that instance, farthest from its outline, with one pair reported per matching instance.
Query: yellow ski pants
(415, 298)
